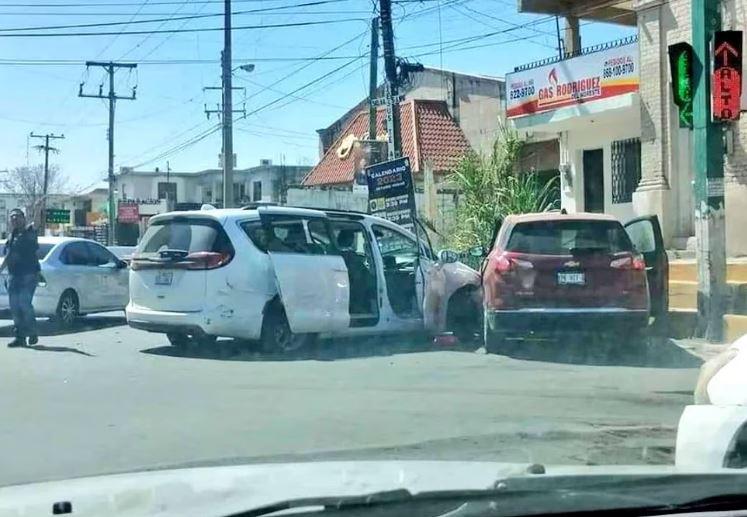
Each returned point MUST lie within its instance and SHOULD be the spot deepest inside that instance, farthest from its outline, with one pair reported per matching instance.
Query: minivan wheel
(178, 340)
(277, 335)
(463, 316)
(68, 309)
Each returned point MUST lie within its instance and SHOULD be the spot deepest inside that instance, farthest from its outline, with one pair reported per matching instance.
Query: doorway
(594, 180)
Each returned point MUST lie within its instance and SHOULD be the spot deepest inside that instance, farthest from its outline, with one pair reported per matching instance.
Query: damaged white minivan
(285, 276)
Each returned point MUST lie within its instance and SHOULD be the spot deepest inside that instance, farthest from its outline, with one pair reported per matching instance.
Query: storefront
(589, 103)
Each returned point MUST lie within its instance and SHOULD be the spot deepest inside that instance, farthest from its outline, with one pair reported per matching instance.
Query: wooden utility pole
(110, 68)
(45, 185)
(391, 90)
(373, 78)
(708, 161)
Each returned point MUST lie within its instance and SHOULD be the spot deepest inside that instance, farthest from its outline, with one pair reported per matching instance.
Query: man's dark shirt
(20, 252)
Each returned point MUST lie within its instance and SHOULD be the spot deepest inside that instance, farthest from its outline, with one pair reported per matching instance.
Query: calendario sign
(727, 75)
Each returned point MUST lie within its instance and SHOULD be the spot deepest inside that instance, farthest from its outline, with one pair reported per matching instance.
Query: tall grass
(491, 188)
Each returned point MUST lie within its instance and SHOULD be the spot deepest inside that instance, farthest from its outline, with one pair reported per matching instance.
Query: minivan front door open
(311, 276)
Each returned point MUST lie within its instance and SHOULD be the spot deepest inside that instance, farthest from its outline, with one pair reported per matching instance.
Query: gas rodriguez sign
(599, 75)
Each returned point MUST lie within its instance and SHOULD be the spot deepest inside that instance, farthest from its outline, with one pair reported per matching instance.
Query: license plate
(164, 278)
(571, 278)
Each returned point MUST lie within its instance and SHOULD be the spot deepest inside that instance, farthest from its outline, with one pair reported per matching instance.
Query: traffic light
(681, 68)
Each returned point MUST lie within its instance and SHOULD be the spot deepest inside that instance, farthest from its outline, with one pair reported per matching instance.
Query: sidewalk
(700, 348)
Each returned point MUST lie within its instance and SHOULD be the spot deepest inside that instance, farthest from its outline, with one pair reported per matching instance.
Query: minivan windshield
(565, 237)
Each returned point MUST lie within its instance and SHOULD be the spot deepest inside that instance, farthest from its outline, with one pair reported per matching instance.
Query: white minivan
(286, 275)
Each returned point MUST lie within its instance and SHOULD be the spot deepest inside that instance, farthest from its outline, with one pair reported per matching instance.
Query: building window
(207, 195)
(257, 191)
(167, 191)
(239, 192)
(626, 169)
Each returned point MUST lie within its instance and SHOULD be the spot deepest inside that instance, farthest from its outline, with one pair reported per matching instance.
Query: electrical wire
(181, 31)
(475, 19)
(130, 4)
(158, 20)
(198, 138)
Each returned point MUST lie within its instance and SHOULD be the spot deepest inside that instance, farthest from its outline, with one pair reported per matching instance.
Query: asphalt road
(107, 398)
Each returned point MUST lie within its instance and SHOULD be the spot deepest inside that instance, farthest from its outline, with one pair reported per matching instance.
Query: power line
(264, 12)
(130, 4)
(198, 138)
(311, 59)
(158, 20)
(179, 31)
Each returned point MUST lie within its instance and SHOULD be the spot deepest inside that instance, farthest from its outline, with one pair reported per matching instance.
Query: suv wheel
(277, 335)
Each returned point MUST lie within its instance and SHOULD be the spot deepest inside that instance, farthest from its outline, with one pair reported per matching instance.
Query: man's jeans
(20, 295)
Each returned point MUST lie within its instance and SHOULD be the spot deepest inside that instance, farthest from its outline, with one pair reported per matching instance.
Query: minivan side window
(397, 250)
(290, 234)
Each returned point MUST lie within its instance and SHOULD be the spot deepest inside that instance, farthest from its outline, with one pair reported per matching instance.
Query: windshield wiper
(330, 502)
(525, 495)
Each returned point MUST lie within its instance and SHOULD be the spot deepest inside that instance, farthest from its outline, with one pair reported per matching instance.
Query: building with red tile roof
(429, 134)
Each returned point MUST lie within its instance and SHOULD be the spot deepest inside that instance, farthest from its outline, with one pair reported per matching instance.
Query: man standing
(23, 268)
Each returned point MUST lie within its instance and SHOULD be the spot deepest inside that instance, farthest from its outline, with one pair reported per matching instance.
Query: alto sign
(727, 75)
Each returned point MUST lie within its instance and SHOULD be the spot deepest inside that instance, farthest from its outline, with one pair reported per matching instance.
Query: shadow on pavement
(86, 323)
(42, 348)
(652, 353)
(326, 350)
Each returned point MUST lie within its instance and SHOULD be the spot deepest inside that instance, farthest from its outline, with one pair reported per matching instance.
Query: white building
(604, 135)
(265, 182)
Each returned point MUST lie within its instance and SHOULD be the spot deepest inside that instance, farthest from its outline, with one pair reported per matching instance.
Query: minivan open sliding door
(311, 276)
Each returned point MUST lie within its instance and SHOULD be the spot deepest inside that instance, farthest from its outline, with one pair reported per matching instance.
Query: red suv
(550, 273)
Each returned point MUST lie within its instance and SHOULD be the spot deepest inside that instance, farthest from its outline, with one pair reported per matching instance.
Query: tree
(28, 183)
(491, 188)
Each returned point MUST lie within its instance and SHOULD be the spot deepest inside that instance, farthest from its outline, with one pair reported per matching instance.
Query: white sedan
(712, 433)
(80, 276)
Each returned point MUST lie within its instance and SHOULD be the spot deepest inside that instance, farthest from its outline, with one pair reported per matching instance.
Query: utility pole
(227, 108)
(373, 78)
(110, 68)
(391, 90)
(708, 161)
(46, 148)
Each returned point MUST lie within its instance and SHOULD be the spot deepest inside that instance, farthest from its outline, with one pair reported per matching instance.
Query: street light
(247, 68)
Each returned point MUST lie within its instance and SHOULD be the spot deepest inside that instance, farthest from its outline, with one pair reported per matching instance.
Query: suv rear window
(567, 237)
(186, 234)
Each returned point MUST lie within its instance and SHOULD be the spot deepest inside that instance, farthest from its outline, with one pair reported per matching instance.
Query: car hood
(223, 490)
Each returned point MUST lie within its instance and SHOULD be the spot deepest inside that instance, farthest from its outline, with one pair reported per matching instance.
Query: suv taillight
(636, 263)
(206, 260)
(503, 264)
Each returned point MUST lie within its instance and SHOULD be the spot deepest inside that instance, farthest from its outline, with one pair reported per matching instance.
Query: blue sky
(170, 98)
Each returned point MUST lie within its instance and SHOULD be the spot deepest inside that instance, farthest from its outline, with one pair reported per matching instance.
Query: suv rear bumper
(566, 320)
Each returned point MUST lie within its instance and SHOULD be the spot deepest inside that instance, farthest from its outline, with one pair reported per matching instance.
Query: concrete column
(653, 195)
(571, 35)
